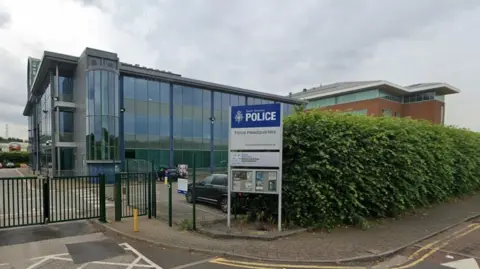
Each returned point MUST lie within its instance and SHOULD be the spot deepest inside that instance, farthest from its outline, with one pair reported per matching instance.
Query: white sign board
(255, 151)
(182, 185)
(255, 159)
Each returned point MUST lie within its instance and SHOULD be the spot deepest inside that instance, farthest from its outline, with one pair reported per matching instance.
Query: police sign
(256, 127)
(255, 152)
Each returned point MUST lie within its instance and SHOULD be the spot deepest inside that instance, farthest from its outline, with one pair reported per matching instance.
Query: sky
(276, 46)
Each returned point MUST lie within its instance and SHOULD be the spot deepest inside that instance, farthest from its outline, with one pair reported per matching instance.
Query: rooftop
(68, 63)
(389, 87)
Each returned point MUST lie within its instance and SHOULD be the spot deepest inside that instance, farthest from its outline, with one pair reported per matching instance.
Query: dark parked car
(212, 190)
(172, 174)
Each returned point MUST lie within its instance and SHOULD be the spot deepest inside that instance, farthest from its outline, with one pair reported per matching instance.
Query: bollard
(135, 219)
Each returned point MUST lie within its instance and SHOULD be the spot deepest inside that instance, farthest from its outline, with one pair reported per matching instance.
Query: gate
(134, 191)
(38, 200)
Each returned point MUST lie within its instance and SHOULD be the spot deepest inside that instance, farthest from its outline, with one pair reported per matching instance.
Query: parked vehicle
(172, 174)
(212, 190)
(10, 165)
(1, 166)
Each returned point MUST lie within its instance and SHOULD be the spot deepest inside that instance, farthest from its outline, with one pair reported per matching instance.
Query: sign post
(255, 147)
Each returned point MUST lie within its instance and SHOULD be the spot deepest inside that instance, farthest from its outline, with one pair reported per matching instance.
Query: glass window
(217, 100)
(153, 124)
(219, 180)
(207, 180)
(207, 99)
(98, 92)
(197, 97)
(104, 91)
(164, 126)
(129, 87)
(153, 88)
(129, 123)
(187, 96)
(177, 94)
(225, 101)
(241, 100)
(141, 124)
(65, 89)
(91, 94)
(165, 92)
(141, 89)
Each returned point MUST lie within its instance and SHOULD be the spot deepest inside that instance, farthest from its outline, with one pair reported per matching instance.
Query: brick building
(374, 98)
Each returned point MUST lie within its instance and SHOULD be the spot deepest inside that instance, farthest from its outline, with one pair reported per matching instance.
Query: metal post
(169, 202)
(280, 175)
(118, 197)
(229, 184)
(148, 186)
(194, 198)
(153, 187)
(103, 209)
(46, 199)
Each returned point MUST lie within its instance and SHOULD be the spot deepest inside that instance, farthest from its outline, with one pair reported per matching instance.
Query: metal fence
(38, 200)
(134, 191)
(22, 201)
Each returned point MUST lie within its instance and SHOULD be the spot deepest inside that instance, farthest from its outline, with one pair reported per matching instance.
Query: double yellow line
(433, 247)
(415, 258)
(255, 265)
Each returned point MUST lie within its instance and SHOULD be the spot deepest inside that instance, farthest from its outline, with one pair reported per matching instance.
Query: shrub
(343, 169)
(15, 157)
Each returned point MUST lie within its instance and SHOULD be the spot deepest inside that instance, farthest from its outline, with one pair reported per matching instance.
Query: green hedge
(15, 157)
(344, 169)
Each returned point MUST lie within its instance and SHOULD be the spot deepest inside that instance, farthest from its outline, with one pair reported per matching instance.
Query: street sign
(255, 147)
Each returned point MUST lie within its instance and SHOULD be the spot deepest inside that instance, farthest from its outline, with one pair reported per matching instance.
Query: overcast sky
(269, 45)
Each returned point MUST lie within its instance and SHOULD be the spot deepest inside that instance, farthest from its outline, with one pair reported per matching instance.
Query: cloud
(277, 46)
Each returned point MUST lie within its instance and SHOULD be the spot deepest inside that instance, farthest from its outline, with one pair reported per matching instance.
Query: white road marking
(66, 257)
(192, 264)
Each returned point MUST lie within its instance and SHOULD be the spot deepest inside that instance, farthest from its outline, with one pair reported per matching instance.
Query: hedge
(15, 157)
(345, 169)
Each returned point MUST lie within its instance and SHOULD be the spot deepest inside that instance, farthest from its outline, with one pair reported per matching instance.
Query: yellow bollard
(135, 220)
(166, 180)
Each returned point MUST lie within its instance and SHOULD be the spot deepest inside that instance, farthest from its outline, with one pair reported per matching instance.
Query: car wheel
(189, 197)
(223, 204)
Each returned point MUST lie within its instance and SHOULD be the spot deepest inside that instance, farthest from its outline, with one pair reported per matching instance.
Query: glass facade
(418, 97)
(199, 119)
(372, 94)
(146, 120)
(44, 112)
(342, 99)
(102, 111)
(390, 97)
(65, 89)
(66, 126)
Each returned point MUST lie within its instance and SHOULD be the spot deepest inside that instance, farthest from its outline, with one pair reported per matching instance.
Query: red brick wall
(427, 110)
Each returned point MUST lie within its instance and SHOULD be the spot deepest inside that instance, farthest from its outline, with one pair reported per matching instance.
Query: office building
(376, 98)
(91, 113)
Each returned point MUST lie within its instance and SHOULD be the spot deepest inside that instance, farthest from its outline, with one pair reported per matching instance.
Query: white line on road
(128, 247)
(192, 264)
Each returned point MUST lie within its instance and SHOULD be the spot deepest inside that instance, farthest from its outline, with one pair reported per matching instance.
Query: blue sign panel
(256, 116)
